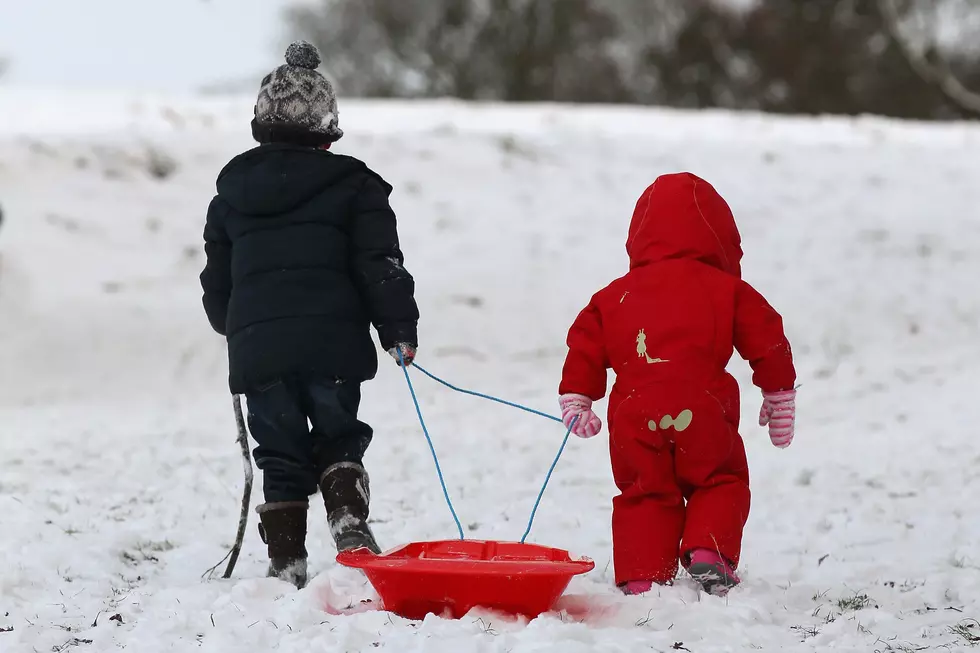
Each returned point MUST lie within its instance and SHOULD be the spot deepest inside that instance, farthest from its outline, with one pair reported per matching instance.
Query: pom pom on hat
(303, 55)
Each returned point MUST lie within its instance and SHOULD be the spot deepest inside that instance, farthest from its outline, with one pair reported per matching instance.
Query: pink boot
(712, 571)
(634, 587)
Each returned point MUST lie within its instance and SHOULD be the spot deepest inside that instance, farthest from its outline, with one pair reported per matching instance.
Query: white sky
(170, 45)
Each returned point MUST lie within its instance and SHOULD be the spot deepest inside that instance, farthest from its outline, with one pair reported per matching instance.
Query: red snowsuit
(668, 329)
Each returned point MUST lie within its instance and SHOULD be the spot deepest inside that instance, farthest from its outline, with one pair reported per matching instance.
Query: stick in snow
(232, 556)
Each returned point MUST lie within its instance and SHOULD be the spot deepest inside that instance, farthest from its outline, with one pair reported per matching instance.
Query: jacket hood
(273, 179)
(682, 216)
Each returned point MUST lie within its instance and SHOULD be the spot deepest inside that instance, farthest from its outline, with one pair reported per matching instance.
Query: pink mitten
(779, 413)
(588, 423)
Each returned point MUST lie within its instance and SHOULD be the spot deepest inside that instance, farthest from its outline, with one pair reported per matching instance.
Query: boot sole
(713, 580)
(351, 541)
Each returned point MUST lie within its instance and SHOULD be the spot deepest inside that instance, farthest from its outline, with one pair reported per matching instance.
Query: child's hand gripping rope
(577, 415)
(403, 353)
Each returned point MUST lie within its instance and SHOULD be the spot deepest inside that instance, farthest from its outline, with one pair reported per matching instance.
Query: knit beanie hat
(296, 104)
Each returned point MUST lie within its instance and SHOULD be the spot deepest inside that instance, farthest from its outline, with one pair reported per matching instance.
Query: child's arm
(377, 261)
(585, 367)
(760, 339)
(216, 277)
(583, 378)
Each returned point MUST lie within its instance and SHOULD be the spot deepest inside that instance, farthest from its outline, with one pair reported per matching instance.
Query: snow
(120, 478)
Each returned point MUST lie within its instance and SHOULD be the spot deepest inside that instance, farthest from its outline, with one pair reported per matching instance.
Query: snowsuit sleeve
(585, 367)
(760, 339)
(388, 290)
(216, 277)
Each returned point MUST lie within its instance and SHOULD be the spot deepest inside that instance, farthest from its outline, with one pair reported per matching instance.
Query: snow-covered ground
(119, 475)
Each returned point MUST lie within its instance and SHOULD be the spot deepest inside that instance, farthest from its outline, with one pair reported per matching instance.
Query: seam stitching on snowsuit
(646, 214)
(714, 233)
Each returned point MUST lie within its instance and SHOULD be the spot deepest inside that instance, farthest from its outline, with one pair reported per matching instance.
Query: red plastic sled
(454, 576)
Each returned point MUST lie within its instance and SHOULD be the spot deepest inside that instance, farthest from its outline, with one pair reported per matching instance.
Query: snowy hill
(119, 476)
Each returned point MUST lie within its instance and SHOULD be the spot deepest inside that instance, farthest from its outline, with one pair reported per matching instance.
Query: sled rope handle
(481, 395)
(485, 396)
(428, 438)
(554, 463)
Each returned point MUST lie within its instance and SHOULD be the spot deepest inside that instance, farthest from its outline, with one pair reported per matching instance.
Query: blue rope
(418, 410)
(537, 502)
(435, 458)
(484, 396)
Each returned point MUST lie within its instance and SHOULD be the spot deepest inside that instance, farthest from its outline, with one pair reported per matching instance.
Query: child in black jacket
(302, 257)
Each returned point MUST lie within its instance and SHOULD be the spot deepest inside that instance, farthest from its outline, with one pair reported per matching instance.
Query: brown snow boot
(283, 529)
(347, 496)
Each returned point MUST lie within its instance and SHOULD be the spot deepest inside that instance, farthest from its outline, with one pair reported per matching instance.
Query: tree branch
(938, 74)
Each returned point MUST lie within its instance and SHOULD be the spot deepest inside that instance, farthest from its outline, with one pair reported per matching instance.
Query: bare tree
(694, 58)
(917, 28)
(804, 56)
(904, 58)
(648, 31)
(389, 48)
(513, 50)
(559, 50)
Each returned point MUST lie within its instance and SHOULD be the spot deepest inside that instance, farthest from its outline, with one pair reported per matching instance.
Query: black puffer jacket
(302, 257)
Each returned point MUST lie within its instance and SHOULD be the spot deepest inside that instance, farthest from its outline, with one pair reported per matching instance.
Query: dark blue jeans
(302, 427)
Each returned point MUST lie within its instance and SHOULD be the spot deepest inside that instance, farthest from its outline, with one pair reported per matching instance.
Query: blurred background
(902, 58)
(518, 135)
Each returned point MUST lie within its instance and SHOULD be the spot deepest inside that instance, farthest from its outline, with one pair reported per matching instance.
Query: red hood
(683, 216)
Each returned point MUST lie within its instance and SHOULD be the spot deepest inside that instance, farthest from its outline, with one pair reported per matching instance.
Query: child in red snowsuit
(668, 329)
